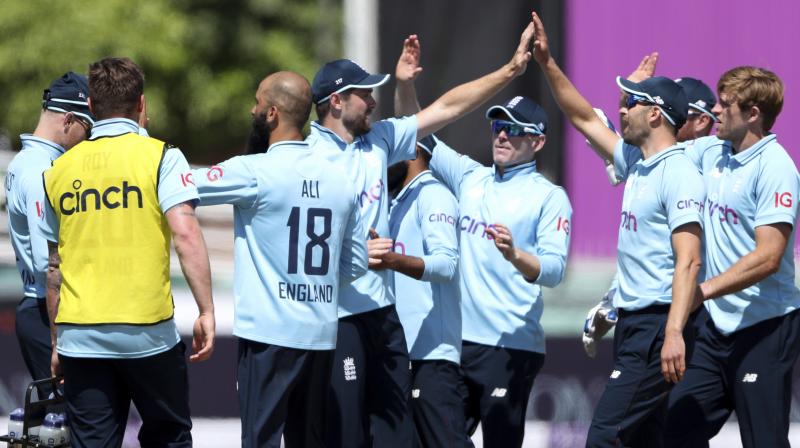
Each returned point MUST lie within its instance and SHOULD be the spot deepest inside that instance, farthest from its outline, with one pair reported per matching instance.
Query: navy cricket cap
(663, 93)
(701, 97)
(522, 111)
(340, 75)
(68, 93)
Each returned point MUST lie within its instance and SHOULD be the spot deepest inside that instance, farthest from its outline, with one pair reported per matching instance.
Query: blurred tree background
(202, 59)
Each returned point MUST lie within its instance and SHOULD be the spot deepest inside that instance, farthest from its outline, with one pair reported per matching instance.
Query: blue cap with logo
(428, 143)
(661, 92)
(522, 111)
(701, 97)
(68, 93)
(341, 75)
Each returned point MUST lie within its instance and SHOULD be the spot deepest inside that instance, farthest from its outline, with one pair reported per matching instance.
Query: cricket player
(371, 380)
(745, 353)
(699, 123)
(64, 121)
(423, 226)
(297, 232)
(514, 238)
(659, 248)
(114, 203)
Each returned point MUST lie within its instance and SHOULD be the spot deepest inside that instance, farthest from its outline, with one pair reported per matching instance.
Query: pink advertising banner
(696, 38)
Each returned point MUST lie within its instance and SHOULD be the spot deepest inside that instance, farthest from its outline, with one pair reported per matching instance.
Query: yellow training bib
(113, 238)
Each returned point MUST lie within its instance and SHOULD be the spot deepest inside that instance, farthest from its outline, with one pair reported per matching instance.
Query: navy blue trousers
(632, 410)
(496, 384)
(99, 392)
(437, 404)
(282, 391)
(370, 383)
(33, 333)
(750, 372)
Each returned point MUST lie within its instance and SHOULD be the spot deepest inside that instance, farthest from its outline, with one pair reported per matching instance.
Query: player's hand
(503, 240)
(522, 55)
(408, 64)
(55, 363)
(203, 337)
(377, 248)
(646, 68)
(699, 297)
(599, 321)
(673, 357)
(541, 47)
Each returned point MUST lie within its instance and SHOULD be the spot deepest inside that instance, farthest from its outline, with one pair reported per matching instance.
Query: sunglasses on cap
(512, 129)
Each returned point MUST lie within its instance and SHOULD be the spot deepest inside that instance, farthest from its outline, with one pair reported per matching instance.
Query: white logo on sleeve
(414, 393)
(615, 374)
(499, 392)
(750, 378)
(349, 369)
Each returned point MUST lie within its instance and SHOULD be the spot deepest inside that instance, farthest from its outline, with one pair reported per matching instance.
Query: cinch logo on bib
(91, 199)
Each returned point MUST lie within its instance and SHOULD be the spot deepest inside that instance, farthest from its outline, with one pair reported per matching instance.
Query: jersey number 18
(314, 240)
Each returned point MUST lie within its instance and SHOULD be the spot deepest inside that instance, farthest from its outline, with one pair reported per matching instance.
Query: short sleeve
(398, 136)
(175, 183)
(231, 182)
(683, 192)
(48, 225)
(777, 190)
(625, 156)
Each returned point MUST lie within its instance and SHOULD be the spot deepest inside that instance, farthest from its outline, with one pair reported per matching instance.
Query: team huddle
(404, 310)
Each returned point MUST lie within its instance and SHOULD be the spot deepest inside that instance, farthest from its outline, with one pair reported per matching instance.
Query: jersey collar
(419, 178)
(669, 152)
(513, 171)
(320, 131)
(285, 143)
(751, 152)
(113, 127)
(31, 141)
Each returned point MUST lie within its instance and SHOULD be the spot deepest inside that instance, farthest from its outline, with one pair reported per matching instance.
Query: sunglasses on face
(512, 129)
(633, 100)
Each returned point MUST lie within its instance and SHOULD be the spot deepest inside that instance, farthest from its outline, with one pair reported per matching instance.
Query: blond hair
(753, 86)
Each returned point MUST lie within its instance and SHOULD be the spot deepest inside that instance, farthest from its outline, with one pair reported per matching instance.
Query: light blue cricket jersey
(662, 193)
(498, 306)
(26, 207)
(422, 222)
(366, 159)
(117, 340)
(297, 231)
(756, 187)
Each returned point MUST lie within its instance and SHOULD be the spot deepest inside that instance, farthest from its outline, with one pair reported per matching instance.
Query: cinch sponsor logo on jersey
(471, 226)
(691, 203)
(783, 199)
(92, 199)
(442, 217)
(725, 213)
(372, 194)
(629, 221)
(399, 247)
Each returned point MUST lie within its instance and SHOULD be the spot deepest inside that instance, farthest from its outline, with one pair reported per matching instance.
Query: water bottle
(64, 427)
(15, 423)
(50, 433)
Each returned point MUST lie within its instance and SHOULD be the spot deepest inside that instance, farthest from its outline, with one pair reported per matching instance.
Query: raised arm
(191, 249)
(575, 107)
(462, 99)
(405, 94)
